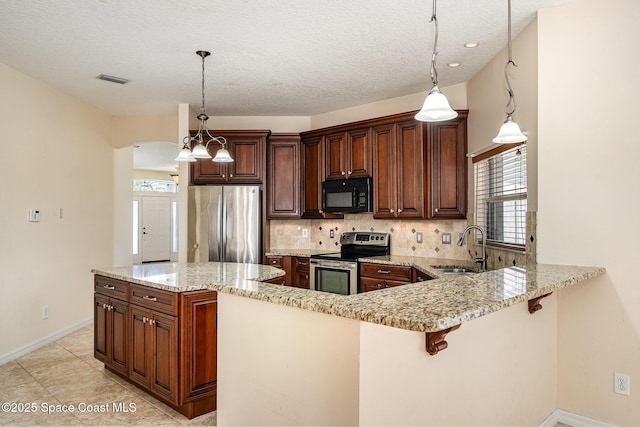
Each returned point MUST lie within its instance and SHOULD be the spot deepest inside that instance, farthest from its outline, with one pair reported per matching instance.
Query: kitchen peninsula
(293, 356)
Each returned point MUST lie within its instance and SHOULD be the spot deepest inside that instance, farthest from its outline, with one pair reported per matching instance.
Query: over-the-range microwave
(347, 195)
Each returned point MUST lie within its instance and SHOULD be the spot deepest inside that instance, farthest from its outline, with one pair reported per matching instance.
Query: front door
(156, 229)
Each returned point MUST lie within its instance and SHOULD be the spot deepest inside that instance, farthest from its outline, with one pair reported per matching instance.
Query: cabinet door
(368, 284)
(283, 176)
(204, 171)
(118, 335)
(247, 160)
(411, 161)
(198, 344)
(139, 357)
(100, 328)
(358, 151)
(312, 176)
(335, 156)
(447, 149)
(300, 272)
(163, 351)
(384, 171)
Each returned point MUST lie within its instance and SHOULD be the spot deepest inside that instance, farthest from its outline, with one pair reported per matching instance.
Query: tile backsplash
(289, 234)
(316, 234)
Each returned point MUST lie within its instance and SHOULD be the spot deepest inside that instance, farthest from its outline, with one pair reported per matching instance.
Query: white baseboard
(41, 343)
(574, 420)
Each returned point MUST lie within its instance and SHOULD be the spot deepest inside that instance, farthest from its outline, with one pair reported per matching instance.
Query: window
(501, 196)
(155, 185)
(136, 227)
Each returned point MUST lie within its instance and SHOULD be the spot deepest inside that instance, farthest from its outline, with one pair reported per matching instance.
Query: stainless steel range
(338, 272)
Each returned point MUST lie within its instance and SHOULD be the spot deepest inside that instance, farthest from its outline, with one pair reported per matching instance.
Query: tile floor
(66, 373)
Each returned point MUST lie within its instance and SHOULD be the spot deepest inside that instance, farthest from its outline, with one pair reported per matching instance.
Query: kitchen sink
(454, 270)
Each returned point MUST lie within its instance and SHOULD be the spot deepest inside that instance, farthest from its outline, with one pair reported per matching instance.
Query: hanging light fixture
(436, 108)
(509, 131)
(199, 150)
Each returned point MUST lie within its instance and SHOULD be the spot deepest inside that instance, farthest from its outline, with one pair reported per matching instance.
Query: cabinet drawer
(275, 261)
(371, 284)
(157, 299)
(111, 287)
(384, 271)
(301, 264)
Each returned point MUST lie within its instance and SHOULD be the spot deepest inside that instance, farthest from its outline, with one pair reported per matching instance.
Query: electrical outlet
(621, 384)
(305, 232)
(446, 238)
(419, 237)
(332, 233)
(45, 312)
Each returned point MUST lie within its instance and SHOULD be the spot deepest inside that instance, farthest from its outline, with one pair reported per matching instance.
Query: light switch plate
(446, 238)
(34, 215)
(419, 237)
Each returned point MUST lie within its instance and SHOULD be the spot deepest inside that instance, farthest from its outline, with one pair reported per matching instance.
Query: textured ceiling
(285, 57)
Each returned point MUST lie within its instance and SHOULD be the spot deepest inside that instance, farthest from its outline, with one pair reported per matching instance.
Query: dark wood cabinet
(199, 346)
(282, 262)
(312, 159)
(283, 176)
(300, 272)
(419, 169)
(110, 316)
(399, 170)
(348, 154)
(163, 341)
(247, 148)
(373, 276)
(447, 148)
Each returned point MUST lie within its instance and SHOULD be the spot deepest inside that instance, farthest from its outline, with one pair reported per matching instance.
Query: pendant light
(436, 108)
(509, 131)
(199, 150)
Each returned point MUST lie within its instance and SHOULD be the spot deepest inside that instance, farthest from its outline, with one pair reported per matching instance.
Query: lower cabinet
(296, 270)
(375, 276)
(300, 272)
(164, 342)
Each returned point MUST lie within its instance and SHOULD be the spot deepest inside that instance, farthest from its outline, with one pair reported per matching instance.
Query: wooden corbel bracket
(534, 303)
(435, 340)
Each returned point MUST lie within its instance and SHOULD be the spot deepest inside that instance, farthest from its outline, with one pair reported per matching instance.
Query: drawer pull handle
(384, 272)
(111, 288)
(303, 263)
(148, 298)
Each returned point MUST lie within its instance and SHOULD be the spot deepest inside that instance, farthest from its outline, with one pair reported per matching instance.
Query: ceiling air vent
(112, 79)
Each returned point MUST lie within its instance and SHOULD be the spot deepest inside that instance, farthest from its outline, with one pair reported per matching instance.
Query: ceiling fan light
(509, 133)
(436, 108)
(200, 152)
(185, 155)
(222, 156)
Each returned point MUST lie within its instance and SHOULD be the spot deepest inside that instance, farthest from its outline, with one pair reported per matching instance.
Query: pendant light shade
(223, 156)
(436, 108)
(199, 150)
(509, 131)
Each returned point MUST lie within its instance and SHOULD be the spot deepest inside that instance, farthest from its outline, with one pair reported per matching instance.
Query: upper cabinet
(247, 148)
(447, 148)
(283, 176)
(348, 154)
(313, 160)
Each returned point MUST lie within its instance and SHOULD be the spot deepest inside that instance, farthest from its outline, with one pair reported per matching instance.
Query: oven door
(338, 277)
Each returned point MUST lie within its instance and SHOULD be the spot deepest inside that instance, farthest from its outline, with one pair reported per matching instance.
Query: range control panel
(364, 238)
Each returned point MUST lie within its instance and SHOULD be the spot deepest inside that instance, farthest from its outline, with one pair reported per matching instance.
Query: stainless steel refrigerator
(225, 224)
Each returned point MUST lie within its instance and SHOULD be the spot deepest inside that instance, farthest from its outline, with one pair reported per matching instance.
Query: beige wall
(487, 97)
(56, 154)
(129, 130)
(280, 365)
(499, 370)
(588, 202)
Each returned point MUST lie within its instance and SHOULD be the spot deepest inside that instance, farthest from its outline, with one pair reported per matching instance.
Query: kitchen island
(294, 356)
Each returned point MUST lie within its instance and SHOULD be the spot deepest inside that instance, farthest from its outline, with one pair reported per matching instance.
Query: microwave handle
(355, 195)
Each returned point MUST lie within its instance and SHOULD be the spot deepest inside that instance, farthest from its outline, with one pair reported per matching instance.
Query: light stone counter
(428, 306)
(301, 252)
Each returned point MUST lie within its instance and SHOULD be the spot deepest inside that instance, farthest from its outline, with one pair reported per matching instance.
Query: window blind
(501, 197)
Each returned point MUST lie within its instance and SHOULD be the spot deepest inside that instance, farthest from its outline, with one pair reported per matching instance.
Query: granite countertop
(428, 306)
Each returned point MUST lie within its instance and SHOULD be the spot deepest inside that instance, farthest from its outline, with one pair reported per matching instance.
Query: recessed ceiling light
(471, 44)
(112, 79)
(453, 64)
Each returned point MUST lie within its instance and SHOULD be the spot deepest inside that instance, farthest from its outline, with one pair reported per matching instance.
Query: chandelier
(200, 146)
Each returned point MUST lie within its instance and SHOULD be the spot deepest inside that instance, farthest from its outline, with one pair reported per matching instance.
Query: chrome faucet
(463, 239)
